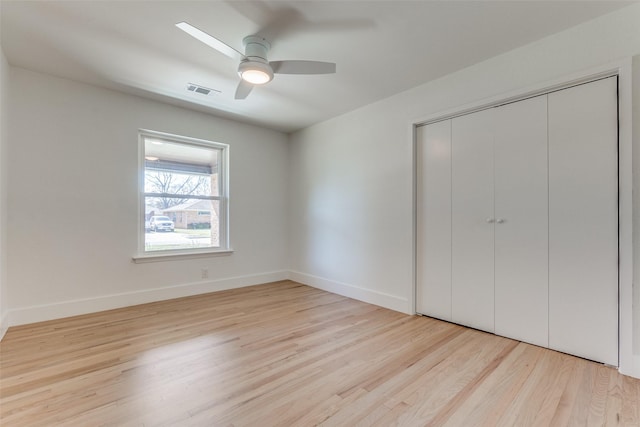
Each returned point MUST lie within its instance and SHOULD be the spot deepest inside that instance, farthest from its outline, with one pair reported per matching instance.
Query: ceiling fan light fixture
(256, 77)
(255, 72)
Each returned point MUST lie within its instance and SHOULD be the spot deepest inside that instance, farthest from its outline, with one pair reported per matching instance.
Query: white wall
(73, 200)
(4, 88)
(351, 191)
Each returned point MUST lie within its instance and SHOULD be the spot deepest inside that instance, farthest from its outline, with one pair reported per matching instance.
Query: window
(184, 195)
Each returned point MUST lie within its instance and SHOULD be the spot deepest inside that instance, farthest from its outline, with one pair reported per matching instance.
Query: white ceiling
(380, 47)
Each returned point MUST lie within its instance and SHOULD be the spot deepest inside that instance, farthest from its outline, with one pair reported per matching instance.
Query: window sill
(176, 256)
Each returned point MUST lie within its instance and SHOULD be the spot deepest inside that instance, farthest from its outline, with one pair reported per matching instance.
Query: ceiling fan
(255, 68)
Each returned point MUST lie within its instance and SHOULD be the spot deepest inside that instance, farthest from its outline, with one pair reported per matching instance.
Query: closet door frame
(627, 363)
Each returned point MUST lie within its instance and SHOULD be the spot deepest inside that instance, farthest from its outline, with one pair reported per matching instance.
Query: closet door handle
(490, 220)
(500, 220)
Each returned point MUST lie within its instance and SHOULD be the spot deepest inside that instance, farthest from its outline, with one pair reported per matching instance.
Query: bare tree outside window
(173, 184)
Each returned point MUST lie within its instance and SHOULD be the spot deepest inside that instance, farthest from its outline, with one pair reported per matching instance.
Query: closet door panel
(521, 210)
(472, 207)
(583, 221)
(433, 266)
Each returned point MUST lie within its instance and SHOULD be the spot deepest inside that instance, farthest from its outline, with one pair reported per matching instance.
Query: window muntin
(184, 195)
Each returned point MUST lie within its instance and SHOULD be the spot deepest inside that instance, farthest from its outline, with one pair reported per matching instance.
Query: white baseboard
(635, 370)
(391, 302)
(39, 313)
(4, 325)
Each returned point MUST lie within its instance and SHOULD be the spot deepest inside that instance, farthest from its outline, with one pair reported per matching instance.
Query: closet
(517, 220)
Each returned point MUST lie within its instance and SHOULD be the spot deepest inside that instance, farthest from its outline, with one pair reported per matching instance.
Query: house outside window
(184, 195)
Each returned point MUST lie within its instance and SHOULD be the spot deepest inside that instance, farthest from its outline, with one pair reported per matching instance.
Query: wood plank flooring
(284, 354)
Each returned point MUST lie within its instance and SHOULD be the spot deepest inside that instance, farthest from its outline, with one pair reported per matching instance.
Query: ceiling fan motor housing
(256, 49)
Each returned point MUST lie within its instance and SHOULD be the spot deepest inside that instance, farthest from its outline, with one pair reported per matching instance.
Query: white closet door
(521, 210)
(433, 293)
(472, 220)
(583, 221)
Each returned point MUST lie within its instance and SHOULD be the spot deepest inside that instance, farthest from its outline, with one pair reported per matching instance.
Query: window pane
(178, 168)
(158, 181)
(189, 224)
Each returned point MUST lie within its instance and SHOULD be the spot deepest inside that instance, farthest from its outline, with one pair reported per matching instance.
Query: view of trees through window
(157, 181)
(182, 195)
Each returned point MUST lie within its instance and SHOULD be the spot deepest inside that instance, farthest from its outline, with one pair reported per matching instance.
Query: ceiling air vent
(191, 87)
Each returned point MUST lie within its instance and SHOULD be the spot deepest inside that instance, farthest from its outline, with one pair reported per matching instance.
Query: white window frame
(223, 198)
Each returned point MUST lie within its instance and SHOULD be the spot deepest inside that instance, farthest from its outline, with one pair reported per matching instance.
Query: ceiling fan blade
(303, 67)
(243, 90)
(209, 40)
(276, 20)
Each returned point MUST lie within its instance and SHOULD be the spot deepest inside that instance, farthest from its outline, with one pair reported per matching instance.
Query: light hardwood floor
(287, 354)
